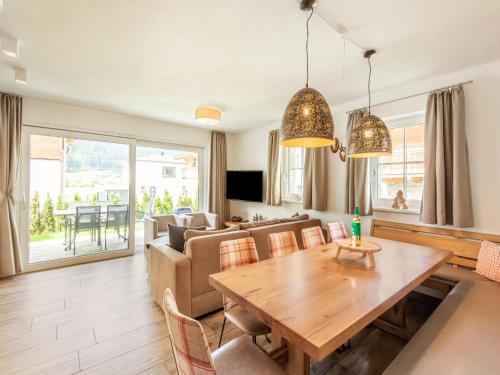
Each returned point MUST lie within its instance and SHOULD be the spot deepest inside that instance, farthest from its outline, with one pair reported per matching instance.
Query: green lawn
(46, 236)
(139, 227)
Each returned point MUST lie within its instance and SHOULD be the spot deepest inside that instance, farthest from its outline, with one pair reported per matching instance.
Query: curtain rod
(413, 96)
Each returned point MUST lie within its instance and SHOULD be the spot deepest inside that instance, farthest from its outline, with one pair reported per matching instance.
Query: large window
(404, 169)
(292, 169)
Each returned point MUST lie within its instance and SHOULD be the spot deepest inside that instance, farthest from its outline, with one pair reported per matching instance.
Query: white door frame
(24, 217)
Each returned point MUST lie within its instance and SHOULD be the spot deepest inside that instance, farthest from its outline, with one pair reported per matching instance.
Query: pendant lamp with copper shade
(370, 136)
(307, 121)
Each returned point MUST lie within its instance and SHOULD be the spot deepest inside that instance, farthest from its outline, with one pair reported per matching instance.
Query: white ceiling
(161, 58)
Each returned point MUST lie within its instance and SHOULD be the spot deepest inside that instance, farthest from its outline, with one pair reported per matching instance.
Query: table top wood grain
(317, 302)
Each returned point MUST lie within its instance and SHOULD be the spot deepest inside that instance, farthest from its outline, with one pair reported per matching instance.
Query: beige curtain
(273, 185)
(447, 193)
(218, 163)
(357, 187)
(11, 108)
(315, 191)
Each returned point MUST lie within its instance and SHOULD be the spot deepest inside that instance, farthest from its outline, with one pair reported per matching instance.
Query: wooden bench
(463, 333)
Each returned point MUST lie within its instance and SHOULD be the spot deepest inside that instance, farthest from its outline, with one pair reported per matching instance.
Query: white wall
(249, 150)
(70, 117)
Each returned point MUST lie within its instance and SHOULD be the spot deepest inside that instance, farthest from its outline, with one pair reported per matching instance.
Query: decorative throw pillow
(197, 221)
(488, 261)
(176, 236)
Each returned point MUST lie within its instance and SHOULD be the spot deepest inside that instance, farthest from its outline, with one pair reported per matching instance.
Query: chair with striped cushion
(234, 254)
(312, 237)
(282, 243)
(192, 353)
(337, 230)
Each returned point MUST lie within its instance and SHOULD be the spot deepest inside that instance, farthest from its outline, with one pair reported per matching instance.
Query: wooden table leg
(298, 363)
(292, 359)
(393, 321)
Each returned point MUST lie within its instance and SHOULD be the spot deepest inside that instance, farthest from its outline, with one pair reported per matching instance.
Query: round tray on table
(367, 248)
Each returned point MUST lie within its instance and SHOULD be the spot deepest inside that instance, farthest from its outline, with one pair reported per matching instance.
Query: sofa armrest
(211, 220)
(171, 269)
(150, 229)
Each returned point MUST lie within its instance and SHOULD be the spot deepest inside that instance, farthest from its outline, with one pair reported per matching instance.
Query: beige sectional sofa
(187, 274)
(157, 226)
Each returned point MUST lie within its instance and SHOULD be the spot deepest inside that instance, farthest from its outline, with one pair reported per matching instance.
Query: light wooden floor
(100, 319)
(95, 319)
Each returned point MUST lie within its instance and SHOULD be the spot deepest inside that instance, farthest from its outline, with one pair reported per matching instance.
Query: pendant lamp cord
(369, 90)
(307, 47)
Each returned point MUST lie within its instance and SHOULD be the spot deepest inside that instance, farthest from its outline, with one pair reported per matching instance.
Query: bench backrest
(464, 244)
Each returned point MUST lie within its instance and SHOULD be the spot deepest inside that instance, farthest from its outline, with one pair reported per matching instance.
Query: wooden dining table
(315, 302)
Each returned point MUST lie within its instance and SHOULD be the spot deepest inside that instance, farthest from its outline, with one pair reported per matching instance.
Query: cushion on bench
(462, 336)
(452, 273)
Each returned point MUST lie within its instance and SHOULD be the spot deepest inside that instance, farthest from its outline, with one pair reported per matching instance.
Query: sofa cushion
(176, 236)
(193, 220)
(162, 233)
(456, 274)
(488, 261)
(192, 233)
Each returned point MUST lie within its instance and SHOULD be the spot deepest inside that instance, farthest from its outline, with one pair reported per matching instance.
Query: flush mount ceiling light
(10, 46)
(370, 137)
(21, 76)
(307, 121)
(207, 115)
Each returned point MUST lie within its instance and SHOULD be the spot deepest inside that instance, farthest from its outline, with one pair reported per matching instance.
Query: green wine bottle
(356, 228)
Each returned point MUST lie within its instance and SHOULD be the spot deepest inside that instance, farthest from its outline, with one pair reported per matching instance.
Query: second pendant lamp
(307, 121)
(370, 136)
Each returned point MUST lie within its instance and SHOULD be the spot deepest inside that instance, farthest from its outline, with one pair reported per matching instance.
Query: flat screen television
(244, 185)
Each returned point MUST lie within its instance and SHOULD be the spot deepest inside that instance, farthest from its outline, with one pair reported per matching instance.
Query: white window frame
(385, 204)
(285, 159)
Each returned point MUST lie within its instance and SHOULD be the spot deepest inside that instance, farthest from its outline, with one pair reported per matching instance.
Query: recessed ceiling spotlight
(207, 115)
(21, 76)
(10, 46)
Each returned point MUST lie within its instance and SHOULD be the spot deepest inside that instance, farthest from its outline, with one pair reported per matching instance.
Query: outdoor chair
(87, 218)
(116, 218)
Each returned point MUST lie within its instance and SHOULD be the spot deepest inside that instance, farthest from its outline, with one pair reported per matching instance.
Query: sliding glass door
(84, 196)
(78, 197)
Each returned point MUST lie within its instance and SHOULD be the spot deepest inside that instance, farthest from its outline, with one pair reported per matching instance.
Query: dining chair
(312, 237)
(87, 218)
(337, 230)
(234, 254)
(282, 243)
(116, 218)
(192, 354)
